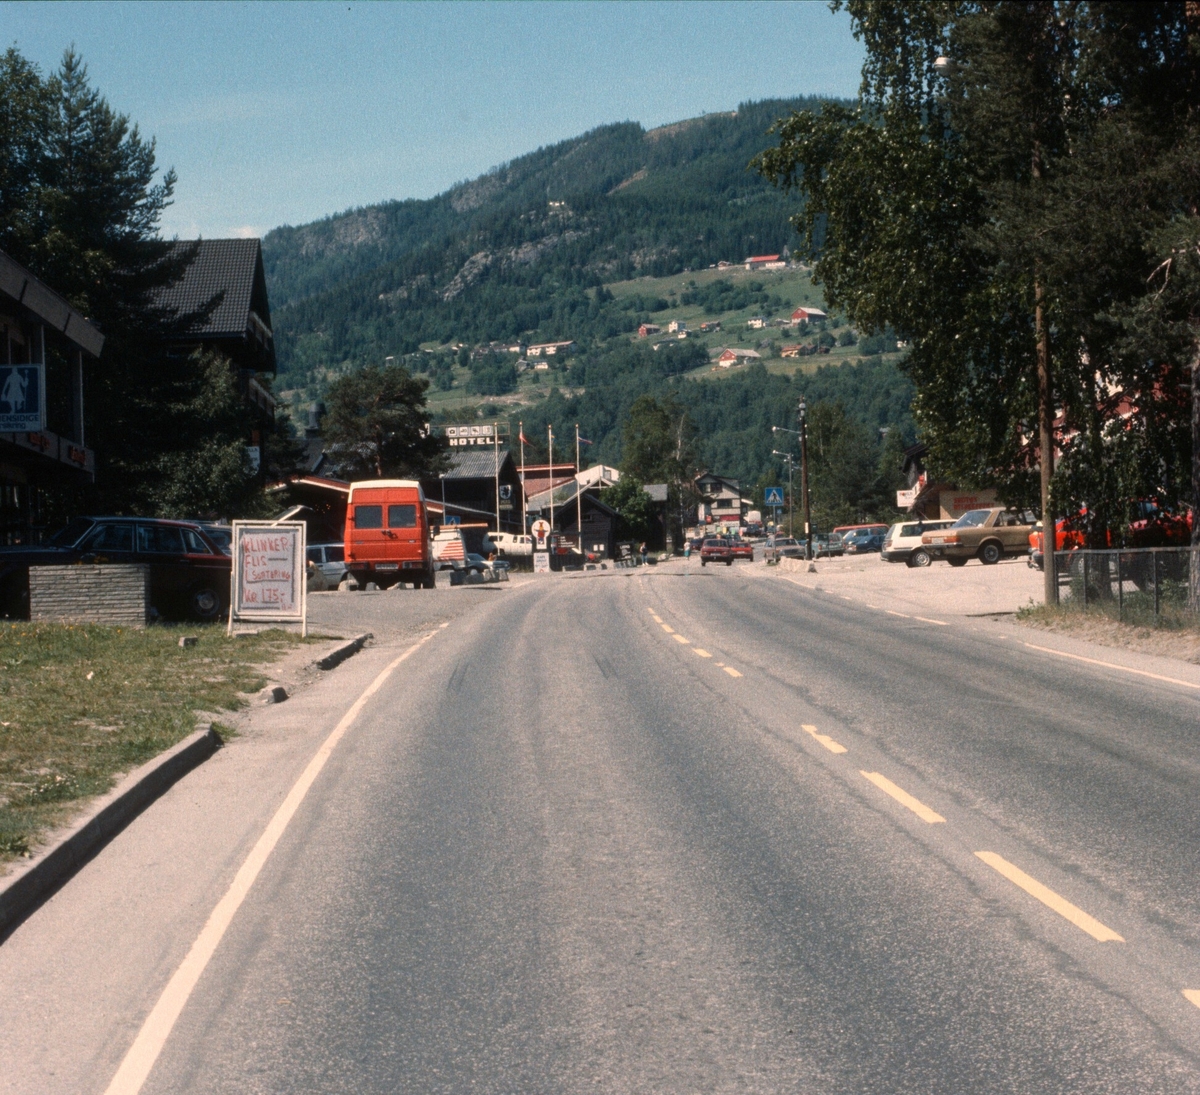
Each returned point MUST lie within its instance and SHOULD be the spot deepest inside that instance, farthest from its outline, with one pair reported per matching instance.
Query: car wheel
(205, 603)
(920, 558)
(702, 562)
(990, 553)
(957, 562)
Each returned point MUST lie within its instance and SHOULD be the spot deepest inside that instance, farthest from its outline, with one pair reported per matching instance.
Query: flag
(524, 440)
(584, 441)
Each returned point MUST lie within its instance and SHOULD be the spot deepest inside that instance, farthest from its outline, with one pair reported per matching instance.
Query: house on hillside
(45, 349)
(550, 349)
(756, 323)
(765, 262)
(728, 358)
(239, 326)
(794, 350)
(711, 325)
(648, 329)
(677, 326)
(807, 315)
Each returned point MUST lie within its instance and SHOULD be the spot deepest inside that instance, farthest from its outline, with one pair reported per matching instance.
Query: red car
(1154, 528)
(742, 549)
(716, 550)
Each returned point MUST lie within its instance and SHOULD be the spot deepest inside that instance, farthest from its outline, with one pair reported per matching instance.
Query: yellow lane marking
(824, 739)
(927, 620)
(892, 612)
(904, 798)
(702, 653)
(731, 671)
(650, 610)
(668, 629)
(140, 1057)
(1193, 995)
(681, 639)
(1050, 899)
(1112, 665)
(871, 606)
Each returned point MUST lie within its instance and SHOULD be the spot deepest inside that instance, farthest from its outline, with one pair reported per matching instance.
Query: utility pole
(801, 414)
(578, 493)
(550, 435)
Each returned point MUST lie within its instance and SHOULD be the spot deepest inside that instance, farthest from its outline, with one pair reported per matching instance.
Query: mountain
(514, 253)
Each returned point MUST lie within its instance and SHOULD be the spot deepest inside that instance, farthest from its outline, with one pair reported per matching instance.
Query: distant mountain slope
(519, 252)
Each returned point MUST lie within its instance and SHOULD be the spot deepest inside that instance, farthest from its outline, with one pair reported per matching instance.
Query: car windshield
(71, 535)
(972, 519)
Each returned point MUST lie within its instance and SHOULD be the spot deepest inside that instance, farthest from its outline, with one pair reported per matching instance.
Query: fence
(1156, 587)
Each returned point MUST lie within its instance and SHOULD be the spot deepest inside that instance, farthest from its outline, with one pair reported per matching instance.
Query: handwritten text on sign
(269, 567)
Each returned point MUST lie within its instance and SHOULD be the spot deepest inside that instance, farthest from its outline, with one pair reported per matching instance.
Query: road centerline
(824, 739)
(904, 798)
(1100, 932)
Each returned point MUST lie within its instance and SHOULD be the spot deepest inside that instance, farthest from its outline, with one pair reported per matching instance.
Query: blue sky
(283, 113)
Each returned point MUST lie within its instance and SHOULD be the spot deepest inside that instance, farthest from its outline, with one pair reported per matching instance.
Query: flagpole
(524, 515)
(496, 458)
(550, 434)
(578, 495)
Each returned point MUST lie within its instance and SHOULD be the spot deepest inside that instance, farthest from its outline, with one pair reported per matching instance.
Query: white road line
(893, 612)
(927, 620)
(1112, 665)
(156, 1029)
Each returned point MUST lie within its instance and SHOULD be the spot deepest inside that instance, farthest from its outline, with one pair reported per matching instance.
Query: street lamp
(801, 415)
(791, 498)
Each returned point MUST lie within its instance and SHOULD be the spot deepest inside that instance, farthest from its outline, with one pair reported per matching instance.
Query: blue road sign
(773, 496)
(21, 398)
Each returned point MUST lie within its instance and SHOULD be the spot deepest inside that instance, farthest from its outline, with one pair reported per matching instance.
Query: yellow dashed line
(904, 798)
(668, 629)
(824, 739)
(702, 653)
(731, 671)
(681, 639)
(1192, 995)
(1053, 901)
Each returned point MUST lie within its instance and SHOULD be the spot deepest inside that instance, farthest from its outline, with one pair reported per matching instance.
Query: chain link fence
(1153, 587)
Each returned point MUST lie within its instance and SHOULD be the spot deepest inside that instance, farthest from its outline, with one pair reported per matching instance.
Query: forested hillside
(512, 253)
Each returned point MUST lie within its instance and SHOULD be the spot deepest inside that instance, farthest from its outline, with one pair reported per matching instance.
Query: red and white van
(387, 534)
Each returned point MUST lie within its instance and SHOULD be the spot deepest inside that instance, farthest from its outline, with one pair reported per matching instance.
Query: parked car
(716, 550)
(903, 542)
(387, 534)
(783, 547)
(842, 531)
(221, 535)
(189, 574)
(742, 549)
(330, 560)
(509, 543)
(863, 541)
(826, 546)
(986, 534)
(1152, 527)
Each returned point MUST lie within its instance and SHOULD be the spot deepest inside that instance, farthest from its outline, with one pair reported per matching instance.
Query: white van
(509, 543)
(902, 544)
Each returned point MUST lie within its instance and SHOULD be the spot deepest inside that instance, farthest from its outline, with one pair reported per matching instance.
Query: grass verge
(1178, 639)
(80, 704)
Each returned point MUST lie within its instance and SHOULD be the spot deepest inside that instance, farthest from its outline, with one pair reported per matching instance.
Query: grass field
(81, 704)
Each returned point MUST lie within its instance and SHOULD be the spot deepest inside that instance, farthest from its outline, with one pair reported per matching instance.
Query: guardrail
(1156, 587)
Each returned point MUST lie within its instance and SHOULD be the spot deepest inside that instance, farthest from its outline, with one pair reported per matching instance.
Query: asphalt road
(657, 832)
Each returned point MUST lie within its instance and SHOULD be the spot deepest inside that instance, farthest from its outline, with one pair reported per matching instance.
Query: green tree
(638, 514)
(657, 441)
(991, 199)
(376, 424)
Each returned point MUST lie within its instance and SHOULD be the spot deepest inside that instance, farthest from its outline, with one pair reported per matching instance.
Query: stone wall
(114, 593)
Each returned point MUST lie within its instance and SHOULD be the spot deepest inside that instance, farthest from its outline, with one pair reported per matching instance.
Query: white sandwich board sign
(269, 581)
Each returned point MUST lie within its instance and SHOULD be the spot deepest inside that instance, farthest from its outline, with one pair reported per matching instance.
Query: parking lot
(941, 590)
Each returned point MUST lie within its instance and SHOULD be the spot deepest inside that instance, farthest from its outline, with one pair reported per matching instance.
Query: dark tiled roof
(474, 463)
(233, 267)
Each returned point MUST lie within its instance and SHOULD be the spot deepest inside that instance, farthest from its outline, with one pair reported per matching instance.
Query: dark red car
(716, 550)
(189, 574)
(742, 549)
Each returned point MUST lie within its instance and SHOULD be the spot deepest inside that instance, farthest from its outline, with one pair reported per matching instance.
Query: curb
(347, 650)
(32, 885)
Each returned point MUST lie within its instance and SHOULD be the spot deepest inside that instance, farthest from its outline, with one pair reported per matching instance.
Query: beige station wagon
(986, 534)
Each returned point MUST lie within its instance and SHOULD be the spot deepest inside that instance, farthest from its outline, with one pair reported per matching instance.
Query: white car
(902, 544)
(508, 543)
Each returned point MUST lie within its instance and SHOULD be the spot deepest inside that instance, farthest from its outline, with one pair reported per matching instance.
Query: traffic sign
(540, 530)
(773, 496)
